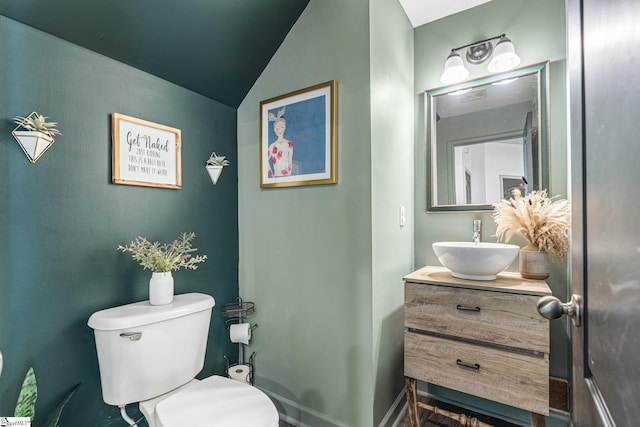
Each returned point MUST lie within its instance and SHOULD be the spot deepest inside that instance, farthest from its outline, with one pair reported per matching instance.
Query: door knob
(550, 307)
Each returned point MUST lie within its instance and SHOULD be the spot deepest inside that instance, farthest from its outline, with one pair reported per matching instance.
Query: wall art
(146, 153)
(298, 138)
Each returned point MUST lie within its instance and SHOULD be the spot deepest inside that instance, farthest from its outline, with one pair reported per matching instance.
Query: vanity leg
(412, 402)
(537, 420)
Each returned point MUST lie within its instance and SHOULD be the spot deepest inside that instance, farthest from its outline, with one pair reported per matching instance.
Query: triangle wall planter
(214, 172)
(33, 143)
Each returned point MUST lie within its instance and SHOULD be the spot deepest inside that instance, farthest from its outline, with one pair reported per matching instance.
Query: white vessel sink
(475, 261)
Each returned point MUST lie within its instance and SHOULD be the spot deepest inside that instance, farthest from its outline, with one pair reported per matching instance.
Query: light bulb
(454, 69)
(504, 56)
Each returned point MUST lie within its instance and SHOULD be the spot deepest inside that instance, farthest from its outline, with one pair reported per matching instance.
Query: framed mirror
(487, 138)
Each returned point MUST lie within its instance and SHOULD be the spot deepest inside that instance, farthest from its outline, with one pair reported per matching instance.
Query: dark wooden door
(604, 84)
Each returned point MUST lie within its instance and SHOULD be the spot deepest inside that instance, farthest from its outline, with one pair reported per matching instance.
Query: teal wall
(62, 218)
(538, 32)
(324, 263)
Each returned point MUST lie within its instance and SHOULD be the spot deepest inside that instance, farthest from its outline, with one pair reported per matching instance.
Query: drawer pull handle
(467, 308)
(474, 367)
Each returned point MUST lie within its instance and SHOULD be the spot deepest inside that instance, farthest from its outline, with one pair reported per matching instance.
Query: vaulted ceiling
(217, 48)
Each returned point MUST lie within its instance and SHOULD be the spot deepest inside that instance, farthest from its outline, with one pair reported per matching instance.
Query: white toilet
(151, 355)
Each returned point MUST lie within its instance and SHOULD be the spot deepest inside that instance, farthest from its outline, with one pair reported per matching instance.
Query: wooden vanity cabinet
(483, 338)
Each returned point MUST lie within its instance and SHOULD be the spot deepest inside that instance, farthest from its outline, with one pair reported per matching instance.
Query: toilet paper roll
(240, 373)
(240, 333)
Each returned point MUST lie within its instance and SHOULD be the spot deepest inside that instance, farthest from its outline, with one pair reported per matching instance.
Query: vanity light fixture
(503, 58)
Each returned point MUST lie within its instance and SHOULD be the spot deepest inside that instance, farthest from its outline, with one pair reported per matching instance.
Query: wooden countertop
(506, 282)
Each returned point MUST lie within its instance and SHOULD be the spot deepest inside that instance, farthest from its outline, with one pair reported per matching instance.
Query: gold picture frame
(298, 137)
(145, 153)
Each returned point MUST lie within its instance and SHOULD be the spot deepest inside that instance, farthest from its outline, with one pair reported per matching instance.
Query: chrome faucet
(477, 229)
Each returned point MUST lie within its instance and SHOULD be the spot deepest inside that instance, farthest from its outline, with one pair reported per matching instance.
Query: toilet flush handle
(133, 336)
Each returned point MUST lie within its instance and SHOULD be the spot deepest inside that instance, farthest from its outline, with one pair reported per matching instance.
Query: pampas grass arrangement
(543, 222)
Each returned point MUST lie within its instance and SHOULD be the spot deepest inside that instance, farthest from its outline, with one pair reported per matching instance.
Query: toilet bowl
(151, 355)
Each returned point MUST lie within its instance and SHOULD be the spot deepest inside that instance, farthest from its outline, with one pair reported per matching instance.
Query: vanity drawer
(512, 378)
(501, 318)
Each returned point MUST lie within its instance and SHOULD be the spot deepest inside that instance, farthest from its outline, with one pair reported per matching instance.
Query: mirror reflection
(487, 138)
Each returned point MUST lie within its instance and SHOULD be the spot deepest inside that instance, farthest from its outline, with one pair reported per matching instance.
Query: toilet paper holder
(238, 312)
(250, 375)
(238, 309)
(229, 322)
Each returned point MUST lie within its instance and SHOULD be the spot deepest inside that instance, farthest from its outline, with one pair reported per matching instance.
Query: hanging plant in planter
(36, 136)
(544, 223)
(214, 166)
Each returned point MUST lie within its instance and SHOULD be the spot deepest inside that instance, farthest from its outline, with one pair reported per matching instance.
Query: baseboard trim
(300, 415)
(396, 411)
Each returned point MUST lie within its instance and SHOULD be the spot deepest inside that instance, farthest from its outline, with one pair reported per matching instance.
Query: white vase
(161, 288)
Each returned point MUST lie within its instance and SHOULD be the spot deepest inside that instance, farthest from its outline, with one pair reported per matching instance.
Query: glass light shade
(454, 69)
(504, 57)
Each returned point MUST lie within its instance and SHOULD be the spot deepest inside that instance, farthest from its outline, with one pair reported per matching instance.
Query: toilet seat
(217, 402)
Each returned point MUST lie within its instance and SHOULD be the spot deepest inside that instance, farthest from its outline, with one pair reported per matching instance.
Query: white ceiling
(422, 11)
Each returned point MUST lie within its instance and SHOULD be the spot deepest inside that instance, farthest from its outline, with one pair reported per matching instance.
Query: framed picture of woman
(298, 138)
(510, 183)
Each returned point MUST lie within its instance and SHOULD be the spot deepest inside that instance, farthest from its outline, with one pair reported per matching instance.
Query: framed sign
(146, 153)
(298, 138)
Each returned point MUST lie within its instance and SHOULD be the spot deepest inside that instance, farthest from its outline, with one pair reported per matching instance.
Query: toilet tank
(145, 351)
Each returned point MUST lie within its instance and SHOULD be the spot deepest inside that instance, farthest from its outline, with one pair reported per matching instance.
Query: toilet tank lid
(143, 313)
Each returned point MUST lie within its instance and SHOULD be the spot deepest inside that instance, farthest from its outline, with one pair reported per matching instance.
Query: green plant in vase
(165, 257)
(162, 259)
